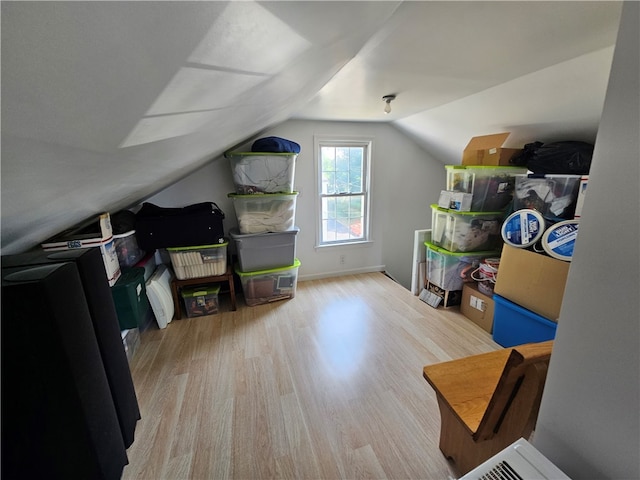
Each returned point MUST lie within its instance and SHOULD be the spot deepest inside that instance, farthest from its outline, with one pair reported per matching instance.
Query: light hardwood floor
(327, 385)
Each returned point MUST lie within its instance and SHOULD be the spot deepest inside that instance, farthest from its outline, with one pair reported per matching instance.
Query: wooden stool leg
(232, 292)
(177, 315)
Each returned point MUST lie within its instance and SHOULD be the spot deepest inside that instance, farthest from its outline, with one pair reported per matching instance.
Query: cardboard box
(477, 307)
(102, 238)
(532, 280)
(487, 150)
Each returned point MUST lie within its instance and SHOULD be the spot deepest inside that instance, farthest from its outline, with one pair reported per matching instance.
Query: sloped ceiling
(105, 103)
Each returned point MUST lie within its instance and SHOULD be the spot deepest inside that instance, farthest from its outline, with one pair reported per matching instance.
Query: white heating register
(519, 461)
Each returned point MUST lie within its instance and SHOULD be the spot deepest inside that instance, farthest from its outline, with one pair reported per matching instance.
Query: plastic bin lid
(200, 291)
(485, 167)
(259, 195)
(126, 234)
(296, 264)
(260, 154)
(549, 175)
(486, 253)
(435, 206)
(198, 247)
(130, 275)
(235, 233)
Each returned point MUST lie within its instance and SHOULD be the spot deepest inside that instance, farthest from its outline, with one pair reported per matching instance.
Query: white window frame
(350, 141)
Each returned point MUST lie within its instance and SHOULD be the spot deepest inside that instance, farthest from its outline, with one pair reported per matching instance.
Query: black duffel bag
(568, 157)
(193, 225)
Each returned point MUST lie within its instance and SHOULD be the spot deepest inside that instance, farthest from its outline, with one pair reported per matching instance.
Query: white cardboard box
(104, 241)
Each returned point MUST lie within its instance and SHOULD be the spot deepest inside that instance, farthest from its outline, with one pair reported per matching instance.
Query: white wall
(406, 180)
(589, 417)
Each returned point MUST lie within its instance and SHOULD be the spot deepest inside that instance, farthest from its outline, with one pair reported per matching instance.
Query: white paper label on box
(477, 303)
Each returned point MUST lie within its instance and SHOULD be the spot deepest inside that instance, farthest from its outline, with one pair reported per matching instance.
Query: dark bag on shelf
(573, 158)
(193, 225)
(569, 157)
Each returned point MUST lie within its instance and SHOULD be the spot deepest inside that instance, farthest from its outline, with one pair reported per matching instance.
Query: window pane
(328, 182)
(328, 208)
(355, 227)
(328, 158)
(342, 159)
(355, 169)
(342, 182)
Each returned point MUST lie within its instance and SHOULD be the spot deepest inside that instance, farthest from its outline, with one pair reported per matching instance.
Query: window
(343, 186)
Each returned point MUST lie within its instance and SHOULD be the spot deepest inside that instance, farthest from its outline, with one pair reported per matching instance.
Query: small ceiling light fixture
(387, 99)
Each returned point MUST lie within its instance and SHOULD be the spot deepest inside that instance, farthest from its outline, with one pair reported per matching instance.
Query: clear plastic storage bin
(262, 251)
(130, 341)
(554, 196)
(199, 301)
(261, 213)
(466, 231)
(449, 270)
(127, 249)
(255, 172)
(492, 186)
(199, 261)
(268, 286)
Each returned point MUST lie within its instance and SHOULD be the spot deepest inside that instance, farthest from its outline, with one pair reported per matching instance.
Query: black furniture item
(58, 416)
(193, 225)
(105, 323)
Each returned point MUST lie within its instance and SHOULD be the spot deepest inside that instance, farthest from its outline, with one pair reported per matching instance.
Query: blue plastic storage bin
(514, 325)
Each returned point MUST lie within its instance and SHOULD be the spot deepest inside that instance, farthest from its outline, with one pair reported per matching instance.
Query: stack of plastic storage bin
(265, 240)
(539, 237)
(466, 227)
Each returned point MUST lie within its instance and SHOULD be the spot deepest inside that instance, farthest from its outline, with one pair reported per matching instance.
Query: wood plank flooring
(327, 385)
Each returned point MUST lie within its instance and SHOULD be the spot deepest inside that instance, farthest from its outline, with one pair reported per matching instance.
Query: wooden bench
(488, 401)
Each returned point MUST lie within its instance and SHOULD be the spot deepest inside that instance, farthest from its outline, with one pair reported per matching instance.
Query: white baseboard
(340, 273)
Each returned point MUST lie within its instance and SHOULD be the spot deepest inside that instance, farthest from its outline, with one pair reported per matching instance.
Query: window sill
(362, 243)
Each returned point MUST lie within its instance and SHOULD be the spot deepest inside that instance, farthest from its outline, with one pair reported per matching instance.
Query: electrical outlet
(343, 259)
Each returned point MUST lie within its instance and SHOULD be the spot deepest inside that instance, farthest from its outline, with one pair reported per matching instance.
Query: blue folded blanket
(275, 145)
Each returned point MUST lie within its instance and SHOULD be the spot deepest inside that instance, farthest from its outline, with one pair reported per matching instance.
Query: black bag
(193, 225)
(570, 157)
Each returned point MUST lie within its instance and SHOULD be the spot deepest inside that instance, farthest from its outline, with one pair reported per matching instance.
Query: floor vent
(519, 461)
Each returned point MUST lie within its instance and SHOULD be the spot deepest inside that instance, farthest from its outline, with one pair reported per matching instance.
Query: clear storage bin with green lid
(492, 186)
(466, 231)
(267, 212)
(199, 301)
(449, 270)
(553, 195)
(262, 172)
(266, 286)
(199, 261)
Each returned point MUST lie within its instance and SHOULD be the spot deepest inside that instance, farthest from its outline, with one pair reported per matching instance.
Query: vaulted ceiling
(104, 103)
